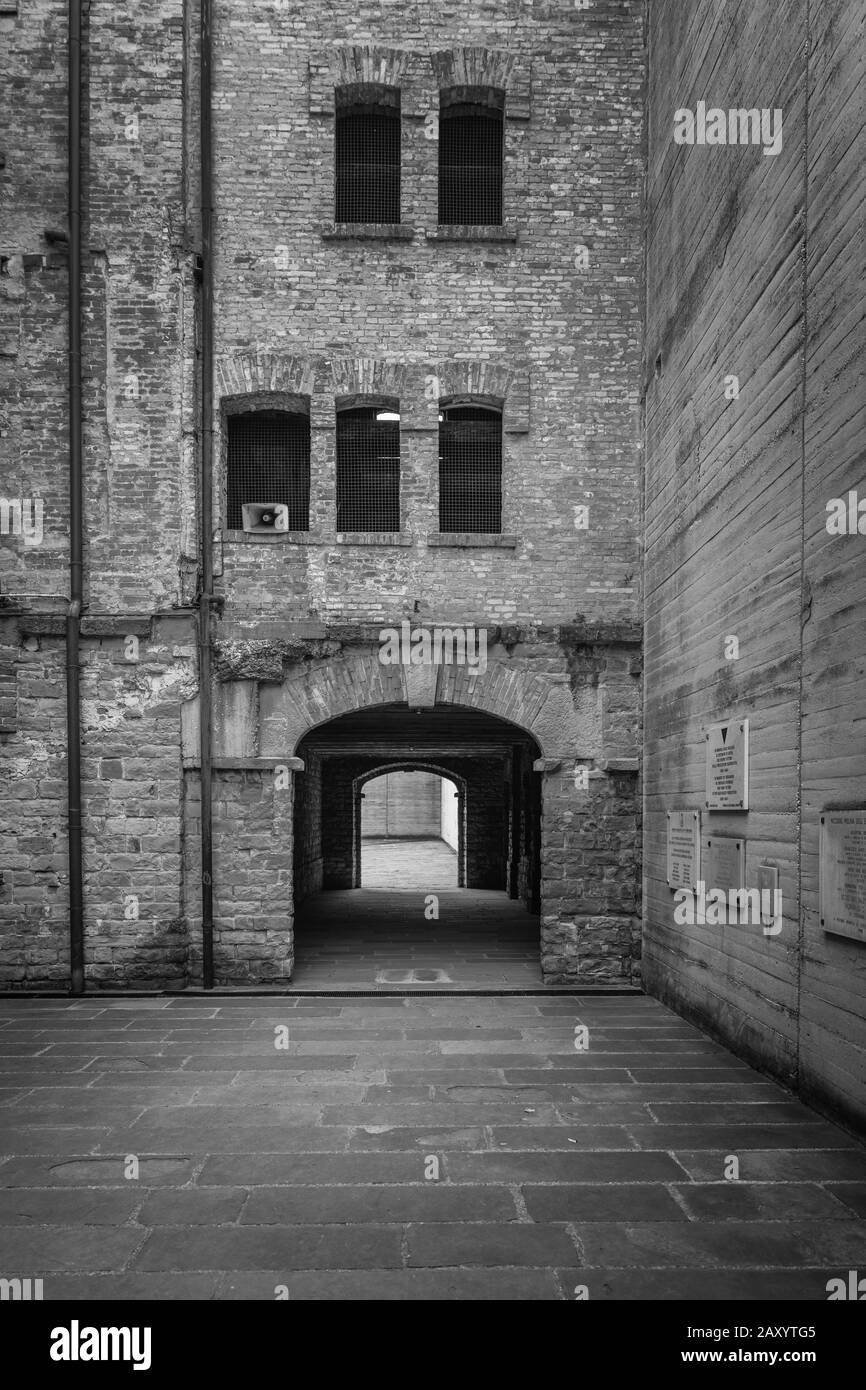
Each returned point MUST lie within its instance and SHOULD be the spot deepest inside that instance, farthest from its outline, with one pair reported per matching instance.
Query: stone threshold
(364, 991)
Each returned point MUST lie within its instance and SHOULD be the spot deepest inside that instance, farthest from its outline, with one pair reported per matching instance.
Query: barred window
(368, 467)
(268, 462)
(367, 154)
(471, 122)
(470, 468)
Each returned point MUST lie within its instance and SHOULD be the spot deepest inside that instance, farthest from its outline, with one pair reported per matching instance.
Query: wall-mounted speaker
(263, 518)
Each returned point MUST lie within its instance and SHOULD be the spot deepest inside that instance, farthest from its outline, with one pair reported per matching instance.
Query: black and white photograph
(432, 672)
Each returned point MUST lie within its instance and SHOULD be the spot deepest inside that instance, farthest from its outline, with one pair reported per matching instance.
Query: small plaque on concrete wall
(842, 873)
(684, 849)
(724, 863)
(728, 766)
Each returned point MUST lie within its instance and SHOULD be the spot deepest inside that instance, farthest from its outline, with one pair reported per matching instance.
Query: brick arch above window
(354, 66)
(367, 64)
(367, 376)
(255, 373)
(486, 67)
(501, 384)
(489, 379)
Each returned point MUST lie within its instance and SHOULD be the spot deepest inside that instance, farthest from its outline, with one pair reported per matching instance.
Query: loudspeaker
(264, 518)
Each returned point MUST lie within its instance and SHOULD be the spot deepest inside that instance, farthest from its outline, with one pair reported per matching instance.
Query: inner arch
(487, 913)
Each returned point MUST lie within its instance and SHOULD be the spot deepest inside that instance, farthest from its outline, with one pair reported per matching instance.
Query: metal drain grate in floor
(412, 977)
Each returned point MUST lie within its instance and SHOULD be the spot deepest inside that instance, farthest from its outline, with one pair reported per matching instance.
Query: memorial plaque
(684, 849)
(842, 873)
(728, 766)
(768, 886)
(724, 863)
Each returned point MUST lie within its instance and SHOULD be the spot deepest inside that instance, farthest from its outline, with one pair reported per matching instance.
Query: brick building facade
(532, 314)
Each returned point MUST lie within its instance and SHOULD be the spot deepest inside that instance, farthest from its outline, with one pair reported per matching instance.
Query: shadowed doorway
(378, 827)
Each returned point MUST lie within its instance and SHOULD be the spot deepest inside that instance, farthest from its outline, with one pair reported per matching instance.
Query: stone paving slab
(744, 1201)
(410, 1285)
(568, 1167)
(602, 1202)
(275, 1247)
(310, 1168)
(783, 1165)
(718, 1285)
(413, 1201)
(852, 1194)
(708, 1244)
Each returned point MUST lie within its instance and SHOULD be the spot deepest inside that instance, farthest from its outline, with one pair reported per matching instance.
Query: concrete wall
(449, 820)
(751, 261)
(402, 805)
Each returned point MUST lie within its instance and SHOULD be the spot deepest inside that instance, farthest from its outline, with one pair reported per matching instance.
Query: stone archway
(274, 694)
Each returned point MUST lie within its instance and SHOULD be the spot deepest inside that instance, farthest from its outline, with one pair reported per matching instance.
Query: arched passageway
(410, 830)
(399, 782)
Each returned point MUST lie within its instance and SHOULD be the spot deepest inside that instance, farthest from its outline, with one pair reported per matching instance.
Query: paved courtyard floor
(407, 865)
(408, 1148)
(374, 938)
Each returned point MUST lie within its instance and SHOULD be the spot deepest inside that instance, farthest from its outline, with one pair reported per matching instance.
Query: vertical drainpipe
(206, 496)
(76, 589)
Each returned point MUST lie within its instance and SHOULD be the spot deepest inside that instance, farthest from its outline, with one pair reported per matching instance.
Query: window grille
(470, 161)
(368, 469)
(367, 156)
(470, 469)
(268, 461)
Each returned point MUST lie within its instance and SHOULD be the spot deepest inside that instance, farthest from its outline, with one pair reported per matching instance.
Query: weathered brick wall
(308, 863)
(139, 293)
(139, 507)
(33, 944)
(132, 688)
(425, 306)
(252, 852)
(751, 260)
(33, 290)
(590, 881)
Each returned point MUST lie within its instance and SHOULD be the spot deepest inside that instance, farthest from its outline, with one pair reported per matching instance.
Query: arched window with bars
(268, 466)
(367, 154)
(368, 465)
(470, 466)
(471, 141)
